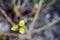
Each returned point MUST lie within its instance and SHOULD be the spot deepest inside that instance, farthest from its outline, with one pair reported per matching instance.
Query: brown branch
(34, 20)
(18, 4)
(21, 36)
(47, 26)
(49, 5)
(36, 15)
(6, 16)
(24, 3)
(13, 34)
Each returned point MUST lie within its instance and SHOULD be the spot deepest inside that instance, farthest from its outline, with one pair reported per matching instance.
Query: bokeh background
(42, 19)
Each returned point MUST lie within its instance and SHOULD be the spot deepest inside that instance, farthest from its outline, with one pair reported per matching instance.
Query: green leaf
(22, 30)
(14, 28)
(21, 23)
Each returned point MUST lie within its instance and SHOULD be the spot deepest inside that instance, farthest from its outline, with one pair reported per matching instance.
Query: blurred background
(41, 18)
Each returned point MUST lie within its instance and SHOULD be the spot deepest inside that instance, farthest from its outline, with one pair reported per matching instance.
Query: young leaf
(22, 30)
(14, 28)
(22, 23)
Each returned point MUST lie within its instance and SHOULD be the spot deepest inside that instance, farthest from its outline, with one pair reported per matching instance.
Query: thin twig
(22, 36)
(47, 26)
(14, 1)
(24, 3)
(9, 20)
(13, 34)
(34, 20)
(49, 5)
(18, 4)
(36, 15)
(15, 9)
(50, 24)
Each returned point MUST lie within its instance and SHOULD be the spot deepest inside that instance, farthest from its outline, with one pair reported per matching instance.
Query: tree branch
(9, 20)
(36, 15)
(47, 26)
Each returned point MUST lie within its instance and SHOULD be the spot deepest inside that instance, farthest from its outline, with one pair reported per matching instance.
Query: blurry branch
(2, 5)
(23, 10)
(9, 20)
(18, 4)
(39, 30)
(12, 23)
(15, 9)
(47, 26)
(9, 34)
(24, 3)
(34, 20)
(22, 7)
(13, 34)
(49, 5)
(14, 1)
(36, 15)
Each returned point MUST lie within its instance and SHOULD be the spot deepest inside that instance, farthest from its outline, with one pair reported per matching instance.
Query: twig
(49, 5)
(13, 34)
(22, 36)
(34, 20)
(14, 1)
(36, 15)
(18, 4)
(15, 9)
(9, 20)
(50, 24)
(47, 26)
(24, 3)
